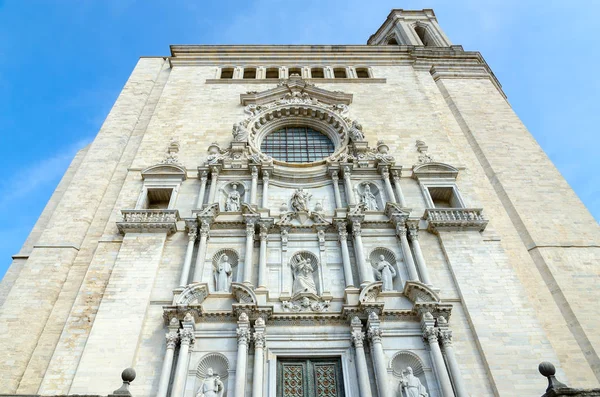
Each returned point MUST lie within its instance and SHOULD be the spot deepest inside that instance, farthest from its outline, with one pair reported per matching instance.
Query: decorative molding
(418, 292)
(435, 170)
(163, 171)
(244, 294)
(193, 294)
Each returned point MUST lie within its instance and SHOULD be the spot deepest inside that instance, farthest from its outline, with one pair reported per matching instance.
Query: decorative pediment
(370, 292)
(244, 294)
(295, 90)
(395, 210)
(435, 170)
(192, 294)
(163, 171)
(418, 292)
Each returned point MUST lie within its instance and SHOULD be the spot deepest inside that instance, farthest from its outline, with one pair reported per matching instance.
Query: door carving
(310, 377)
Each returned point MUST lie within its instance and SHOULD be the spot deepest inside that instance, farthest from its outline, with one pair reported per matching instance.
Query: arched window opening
(362, 73)
(272, 73)
(340, 73)
(317, 73)
(297, 145)
(249, 73)
(423, 35)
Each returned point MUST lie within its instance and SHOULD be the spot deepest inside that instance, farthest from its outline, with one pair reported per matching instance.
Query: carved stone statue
(300, 200)
(211, 385)
(240, 133)
(411, 385)
(369, 199)
(223, 273)
(355, 132)
(386, 273)
(233, 202)
(304, 281)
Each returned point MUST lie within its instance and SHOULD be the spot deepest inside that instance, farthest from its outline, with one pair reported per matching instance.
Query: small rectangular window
(362, 73)
(317, 73)
(249, 73)
(340, 73)
(158, 198)
(272, 73)
(444, 197)
(227, 73)
(293, 71)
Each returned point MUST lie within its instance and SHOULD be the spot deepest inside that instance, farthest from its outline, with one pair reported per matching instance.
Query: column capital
(265, 174)
(254, 172)
(259, 339)
(204, 176)
(215, 170)
(250, 229)
(374, 334)
(445, 337)
(342, 227)
(186, 336)
(413, 229)
(204, 228)
(243, 334)
(395, 175)
(356, 228)
(430, 334)
(400, 229)
(334, 175)
(358, 337)
(172, 338)
(384, 171)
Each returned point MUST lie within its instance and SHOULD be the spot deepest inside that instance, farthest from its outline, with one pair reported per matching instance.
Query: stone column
(343, 236)
(349, 188)
(249, 258)
(408, 258)
(187, 262)
(259, 358)
(379, 361)
(364, 384)
(285, 272)
(413, 234)
(203, 179)
(214, 178)
(262, 256)
(399, 195)
(243, 335)
(204, 233)
(385, 174)
(265, 196)
(254, 187)
(430, 334)
(165, 374)
(445, 338)
(186, 337)
(336, 189)
(366, 274)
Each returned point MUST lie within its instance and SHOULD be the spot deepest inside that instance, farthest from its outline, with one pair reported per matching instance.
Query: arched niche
(399, 364)
(226, 191)
(220, 366)
(391, 258)
(218, 257)
(362, 191)
(317, 274)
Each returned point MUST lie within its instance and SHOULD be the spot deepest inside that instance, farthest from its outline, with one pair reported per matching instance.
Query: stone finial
(442, 321)
(188, 318)
(174, 321)
(260, 322)
(243, 317)
(373, 316)
(128, 375)
(356, 322)
(547, 369)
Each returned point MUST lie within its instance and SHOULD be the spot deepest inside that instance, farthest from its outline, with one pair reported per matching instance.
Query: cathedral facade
(325, 221)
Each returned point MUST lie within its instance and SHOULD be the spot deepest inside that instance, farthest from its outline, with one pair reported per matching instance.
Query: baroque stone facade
(250, 222)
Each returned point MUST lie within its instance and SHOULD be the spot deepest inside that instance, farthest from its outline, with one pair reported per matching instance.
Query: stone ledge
(567, 391)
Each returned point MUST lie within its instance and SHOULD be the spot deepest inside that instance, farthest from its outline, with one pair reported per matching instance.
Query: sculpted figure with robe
(304, 281)
(411, 385)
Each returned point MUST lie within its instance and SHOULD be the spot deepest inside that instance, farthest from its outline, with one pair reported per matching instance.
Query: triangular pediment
(296, 89)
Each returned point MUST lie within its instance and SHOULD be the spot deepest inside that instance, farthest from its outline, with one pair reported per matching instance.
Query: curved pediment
(435, 170)
(243, 294)
(295, 88)
(370, 292)
(418, 292)
(162, 171)
(192, 294)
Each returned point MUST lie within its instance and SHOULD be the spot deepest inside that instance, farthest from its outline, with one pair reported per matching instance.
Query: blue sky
(63, 63)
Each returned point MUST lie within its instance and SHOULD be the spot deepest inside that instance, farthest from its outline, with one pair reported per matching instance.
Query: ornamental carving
(306, 304)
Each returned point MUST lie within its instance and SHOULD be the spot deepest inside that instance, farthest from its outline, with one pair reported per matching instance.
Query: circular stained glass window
(297, 145)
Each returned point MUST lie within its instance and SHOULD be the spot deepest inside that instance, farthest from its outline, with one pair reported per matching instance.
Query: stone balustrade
(455, 219)
(148, 221)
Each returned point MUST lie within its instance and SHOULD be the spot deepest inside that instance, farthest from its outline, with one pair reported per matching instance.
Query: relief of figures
(211, 385)
(223, 272)
(386, 273)
(300, 200)
(410, 385)
(302, 270)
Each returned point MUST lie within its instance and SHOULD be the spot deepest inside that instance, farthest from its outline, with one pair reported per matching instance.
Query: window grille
(297, 145)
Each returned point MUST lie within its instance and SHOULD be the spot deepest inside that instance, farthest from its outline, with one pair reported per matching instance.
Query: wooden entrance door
(310, 377)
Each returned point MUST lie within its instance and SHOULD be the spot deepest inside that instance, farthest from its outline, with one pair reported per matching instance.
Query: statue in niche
(386, 273)
(411, 385)
(211, 385)
(300, 200)
(223, 273)
(233, 202)
(355, 132)
(369, 199)
(303, 270)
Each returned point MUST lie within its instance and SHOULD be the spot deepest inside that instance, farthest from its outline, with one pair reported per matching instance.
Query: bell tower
(410, 27)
